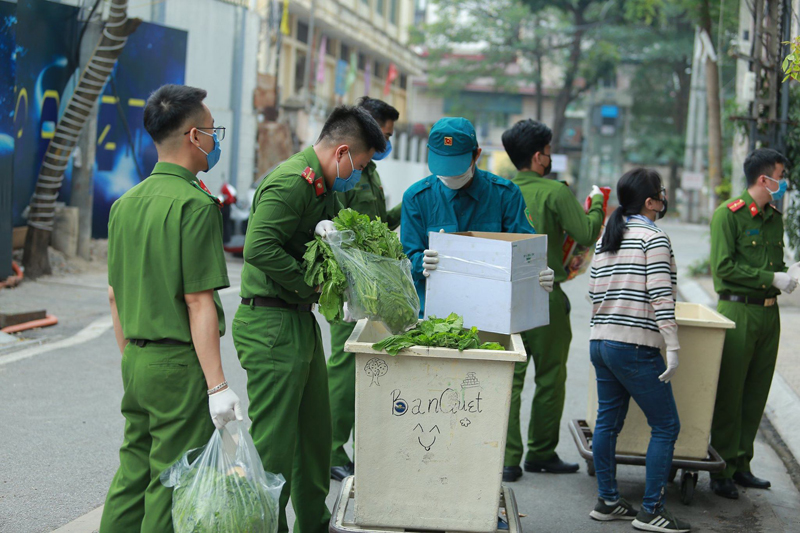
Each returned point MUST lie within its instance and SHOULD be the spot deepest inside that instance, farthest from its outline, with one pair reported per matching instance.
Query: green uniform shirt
(164, 241)
(285, 211)
(554, 210)
(367, 198)
(746, 248)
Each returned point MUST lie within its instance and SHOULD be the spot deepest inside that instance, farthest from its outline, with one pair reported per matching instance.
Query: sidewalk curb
(88, 523)
(781, 409)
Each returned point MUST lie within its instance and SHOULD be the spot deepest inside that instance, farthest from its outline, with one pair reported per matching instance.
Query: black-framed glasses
(662, 193)
(219, 130)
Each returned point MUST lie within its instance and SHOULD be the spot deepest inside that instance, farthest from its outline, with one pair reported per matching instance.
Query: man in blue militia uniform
(458, 196)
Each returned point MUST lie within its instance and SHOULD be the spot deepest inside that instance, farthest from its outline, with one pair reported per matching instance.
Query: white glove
(348, 316)
(430, 259)
(794, 271)
(784, 282)
(224, 406)
(595, 191)
(324, 227)
(672, 365)
(546, 278)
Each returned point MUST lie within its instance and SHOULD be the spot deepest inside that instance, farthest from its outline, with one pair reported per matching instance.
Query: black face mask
(547, 169)
(663, 212)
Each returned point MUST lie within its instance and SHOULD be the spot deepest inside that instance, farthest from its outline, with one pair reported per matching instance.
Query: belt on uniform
(762, 302)
(141, 343)
(259, 301)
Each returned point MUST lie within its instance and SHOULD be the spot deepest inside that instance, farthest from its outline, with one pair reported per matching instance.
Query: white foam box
(491, 279)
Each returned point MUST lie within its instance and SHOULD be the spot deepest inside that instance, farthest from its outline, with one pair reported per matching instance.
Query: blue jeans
(624, 370)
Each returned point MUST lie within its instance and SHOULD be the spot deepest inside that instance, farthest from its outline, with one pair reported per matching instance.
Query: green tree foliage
(514, 41)
(791, 63)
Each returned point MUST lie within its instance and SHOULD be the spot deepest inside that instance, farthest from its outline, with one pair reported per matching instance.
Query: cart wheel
(590, 467)
(688, 483)
(672, 473)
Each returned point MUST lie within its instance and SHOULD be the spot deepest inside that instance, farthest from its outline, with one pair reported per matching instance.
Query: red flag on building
(390, 77)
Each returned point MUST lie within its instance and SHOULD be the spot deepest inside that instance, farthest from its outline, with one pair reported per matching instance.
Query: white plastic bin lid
(698, 315)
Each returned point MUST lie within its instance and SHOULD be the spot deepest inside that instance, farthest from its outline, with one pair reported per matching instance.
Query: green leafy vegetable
(439, 332)
(364, 264)
(231, 502)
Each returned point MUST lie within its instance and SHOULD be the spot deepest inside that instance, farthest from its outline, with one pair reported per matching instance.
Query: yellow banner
(285, 19)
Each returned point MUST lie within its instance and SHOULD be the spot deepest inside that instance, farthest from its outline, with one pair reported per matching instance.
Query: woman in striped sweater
(633, 287)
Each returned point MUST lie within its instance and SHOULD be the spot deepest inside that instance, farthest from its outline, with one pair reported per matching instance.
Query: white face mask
(457, 182)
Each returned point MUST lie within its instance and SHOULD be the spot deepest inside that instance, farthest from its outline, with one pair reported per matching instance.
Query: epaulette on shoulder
(199, 185)
(316, 181)
(736, 205)
(421, 186)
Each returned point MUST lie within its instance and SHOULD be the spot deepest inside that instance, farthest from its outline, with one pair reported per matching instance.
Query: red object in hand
(576, 258)
(606, 194)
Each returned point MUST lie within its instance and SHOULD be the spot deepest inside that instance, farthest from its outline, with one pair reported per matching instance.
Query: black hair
(353, 126)
(762, 162)
(169, 107)
(633, 190)
(380, 110)
(524, 139)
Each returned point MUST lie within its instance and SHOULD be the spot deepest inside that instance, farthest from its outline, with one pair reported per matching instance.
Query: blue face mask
(383, 155)
(782, 186)
(213, 156)
(345, 184)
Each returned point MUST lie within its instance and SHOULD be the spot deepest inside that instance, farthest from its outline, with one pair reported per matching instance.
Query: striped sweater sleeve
(662, 285)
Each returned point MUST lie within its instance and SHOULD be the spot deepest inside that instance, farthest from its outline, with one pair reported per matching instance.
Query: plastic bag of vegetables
(222, 487)
(363, 263)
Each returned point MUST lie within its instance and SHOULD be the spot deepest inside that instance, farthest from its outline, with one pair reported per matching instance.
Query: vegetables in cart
(438, 332)
(363, 263)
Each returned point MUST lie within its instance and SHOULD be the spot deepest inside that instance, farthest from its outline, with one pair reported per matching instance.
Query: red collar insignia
(319, 187)
(202, 186)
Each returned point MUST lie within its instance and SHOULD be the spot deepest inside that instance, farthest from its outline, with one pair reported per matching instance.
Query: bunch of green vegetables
(364, 264)
(439, 332)
(209, 501)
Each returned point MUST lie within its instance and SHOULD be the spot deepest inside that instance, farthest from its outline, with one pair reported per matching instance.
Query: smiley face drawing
(424, 437)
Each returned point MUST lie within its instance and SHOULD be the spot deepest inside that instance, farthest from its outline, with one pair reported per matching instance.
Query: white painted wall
(397, 175)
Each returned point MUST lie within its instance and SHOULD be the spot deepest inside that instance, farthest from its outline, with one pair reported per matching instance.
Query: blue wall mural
(46, 40)
(46, 75)
(8, 22)
(155, 55)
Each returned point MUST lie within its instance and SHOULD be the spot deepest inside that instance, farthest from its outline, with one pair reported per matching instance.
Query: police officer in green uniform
(749, 273)
(165, 263)
(275, 333)
(366, 197)
(555, 211)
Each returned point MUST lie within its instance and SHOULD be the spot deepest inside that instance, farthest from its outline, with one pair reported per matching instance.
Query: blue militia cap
(450, 145)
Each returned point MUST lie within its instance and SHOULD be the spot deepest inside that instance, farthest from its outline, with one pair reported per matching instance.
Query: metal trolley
(689, 468)
(341, 523)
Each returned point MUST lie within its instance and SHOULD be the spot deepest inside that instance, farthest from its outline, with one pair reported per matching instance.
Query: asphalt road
(63, 429)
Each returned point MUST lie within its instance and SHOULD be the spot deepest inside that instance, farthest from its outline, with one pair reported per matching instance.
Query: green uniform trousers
(548, 346)
(342, 385)
(745, 376)
(165, 406)
(287, 385)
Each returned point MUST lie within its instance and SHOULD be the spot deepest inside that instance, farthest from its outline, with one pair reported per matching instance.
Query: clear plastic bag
(378, 288)
(222, 487)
